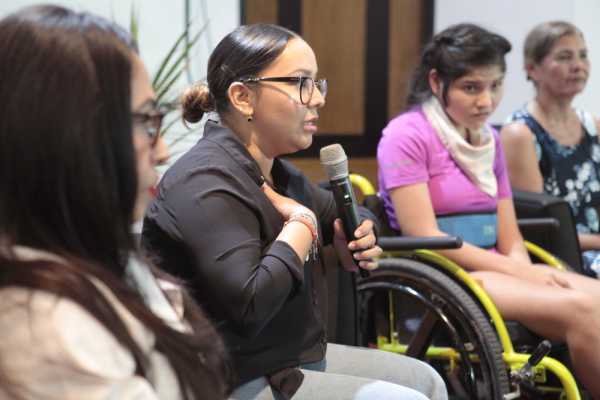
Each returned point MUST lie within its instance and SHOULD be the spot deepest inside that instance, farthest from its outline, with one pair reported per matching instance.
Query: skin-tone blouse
(55, 349)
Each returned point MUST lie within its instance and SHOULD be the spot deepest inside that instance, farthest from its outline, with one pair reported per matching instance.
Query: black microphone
(335, 162)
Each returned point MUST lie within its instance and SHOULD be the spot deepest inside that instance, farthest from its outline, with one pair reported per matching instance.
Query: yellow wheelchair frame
(514, 360)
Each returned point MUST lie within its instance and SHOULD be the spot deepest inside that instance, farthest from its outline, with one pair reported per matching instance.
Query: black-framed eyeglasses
(151, 122)
(306, 85)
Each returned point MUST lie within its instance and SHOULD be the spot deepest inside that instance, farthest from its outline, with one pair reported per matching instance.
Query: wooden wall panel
(257, 11)
(405, 39)
(311, 167)
(336, 32)
(364, 93)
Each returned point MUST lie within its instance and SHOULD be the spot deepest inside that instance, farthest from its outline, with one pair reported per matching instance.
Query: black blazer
(212, 225)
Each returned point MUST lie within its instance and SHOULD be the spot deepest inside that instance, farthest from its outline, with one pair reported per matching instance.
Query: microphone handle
(347, 210)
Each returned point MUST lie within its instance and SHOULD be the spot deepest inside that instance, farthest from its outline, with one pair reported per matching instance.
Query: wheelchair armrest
(533, 200)
(539, 223)
(562, 241)
(398, 243)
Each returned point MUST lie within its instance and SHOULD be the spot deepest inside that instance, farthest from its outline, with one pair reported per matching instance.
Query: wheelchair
(423, 305)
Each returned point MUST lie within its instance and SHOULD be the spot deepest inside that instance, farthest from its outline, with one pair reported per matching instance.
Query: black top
(570, 172)
(212, 225)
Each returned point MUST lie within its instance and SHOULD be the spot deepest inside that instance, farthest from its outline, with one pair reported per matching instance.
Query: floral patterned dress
(571, 172)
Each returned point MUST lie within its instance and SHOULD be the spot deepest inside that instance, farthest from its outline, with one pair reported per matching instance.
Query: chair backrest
(559, 240)
(374, 203)
(562, 241)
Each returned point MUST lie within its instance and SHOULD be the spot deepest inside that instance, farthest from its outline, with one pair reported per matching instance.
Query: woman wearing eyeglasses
(151, 149)
(82, 315)
(244, 228)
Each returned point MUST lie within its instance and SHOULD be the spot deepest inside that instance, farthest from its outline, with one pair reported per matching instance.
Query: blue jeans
(358, 374)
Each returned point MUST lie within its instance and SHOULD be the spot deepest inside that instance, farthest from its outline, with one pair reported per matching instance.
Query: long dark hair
(242, 53)
(69, 182)
(453, 53)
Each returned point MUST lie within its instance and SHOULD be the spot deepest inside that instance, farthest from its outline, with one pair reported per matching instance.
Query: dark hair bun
(196, 101)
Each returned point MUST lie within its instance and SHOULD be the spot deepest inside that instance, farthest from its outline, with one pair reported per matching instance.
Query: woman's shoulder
(204, 161)
(409, 127)
(519, 142)
(516, 128)
(517, 124)
(58, 350)
(517, 116)
(212, 173)
(589, 122)
(59, 326)
(413, 118)
(39, 326)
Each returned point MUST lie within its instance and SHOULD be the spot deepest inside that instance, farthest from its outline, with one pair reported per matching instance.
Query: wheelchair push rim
(448, 312)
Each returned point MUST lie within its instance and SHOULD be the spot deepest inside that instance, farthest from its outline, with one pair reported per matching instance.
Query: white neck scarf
(475, 159)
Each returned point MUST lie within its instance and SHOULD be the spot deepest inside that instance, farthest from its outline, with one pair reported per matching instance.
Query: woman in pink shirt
(440, 161)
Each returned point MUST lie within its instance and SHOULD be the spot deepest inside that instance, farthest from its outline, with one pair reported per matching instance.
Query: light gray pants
(359, 374)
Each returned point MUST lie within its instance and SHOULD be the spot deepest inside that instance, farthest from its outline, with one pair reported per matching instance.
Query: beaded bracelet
(306, 219)
(310, 222)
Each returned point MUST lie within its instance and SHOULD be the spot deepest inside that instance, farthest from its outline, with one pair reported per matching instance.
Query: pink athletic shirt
(411, 152)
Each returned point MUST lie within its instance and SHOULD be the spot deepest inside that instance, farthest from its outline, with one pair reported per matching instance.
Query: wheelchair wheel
(410, 307)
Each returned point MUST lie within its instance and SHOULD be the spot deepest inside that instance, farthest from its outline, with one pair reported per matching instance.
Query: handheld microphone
(335, 163)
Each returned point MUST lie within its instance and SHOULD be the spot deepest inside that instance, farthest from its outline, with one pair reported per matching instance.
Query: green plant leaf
(134, 27)
(166, 86)
(173, 69)
(160, 79)
(168, 58)
(172, 66)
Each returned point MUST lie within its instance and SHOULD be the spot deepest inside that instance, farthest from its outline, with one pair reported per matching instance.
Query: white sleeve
(52, 348)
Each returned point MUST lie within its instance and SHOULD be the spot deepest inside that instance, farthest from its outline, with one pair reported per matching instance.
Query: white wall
(514, 19)
(160, 24)
(161, 21)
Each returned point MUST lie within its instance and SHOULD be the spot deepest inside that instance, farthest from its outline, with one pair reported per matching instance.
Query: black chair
(548, 222)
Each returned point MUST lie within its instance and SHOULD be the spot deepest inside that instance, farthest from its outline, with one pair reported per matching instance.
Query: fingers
(365, 228)
(364, 243)
(368, 265)
(338, 229)
(365, 259)
(364, 249)
(368, 254)
(365, 237)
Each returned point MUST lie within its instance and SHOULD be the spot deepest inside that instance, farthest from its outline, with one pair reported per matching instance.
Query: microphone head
(334, 160)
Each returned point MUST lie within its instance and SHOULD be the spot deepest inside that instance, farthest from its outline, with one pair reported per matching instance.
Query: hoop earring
(249, 118)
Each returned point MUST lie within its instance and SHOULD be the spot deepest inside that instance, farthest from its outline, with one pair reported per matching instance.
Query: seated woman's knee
(579, 309)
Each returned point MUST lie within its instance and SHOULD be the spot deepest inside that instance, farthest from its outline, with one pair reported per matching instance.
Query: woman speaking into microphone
(244, 228)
